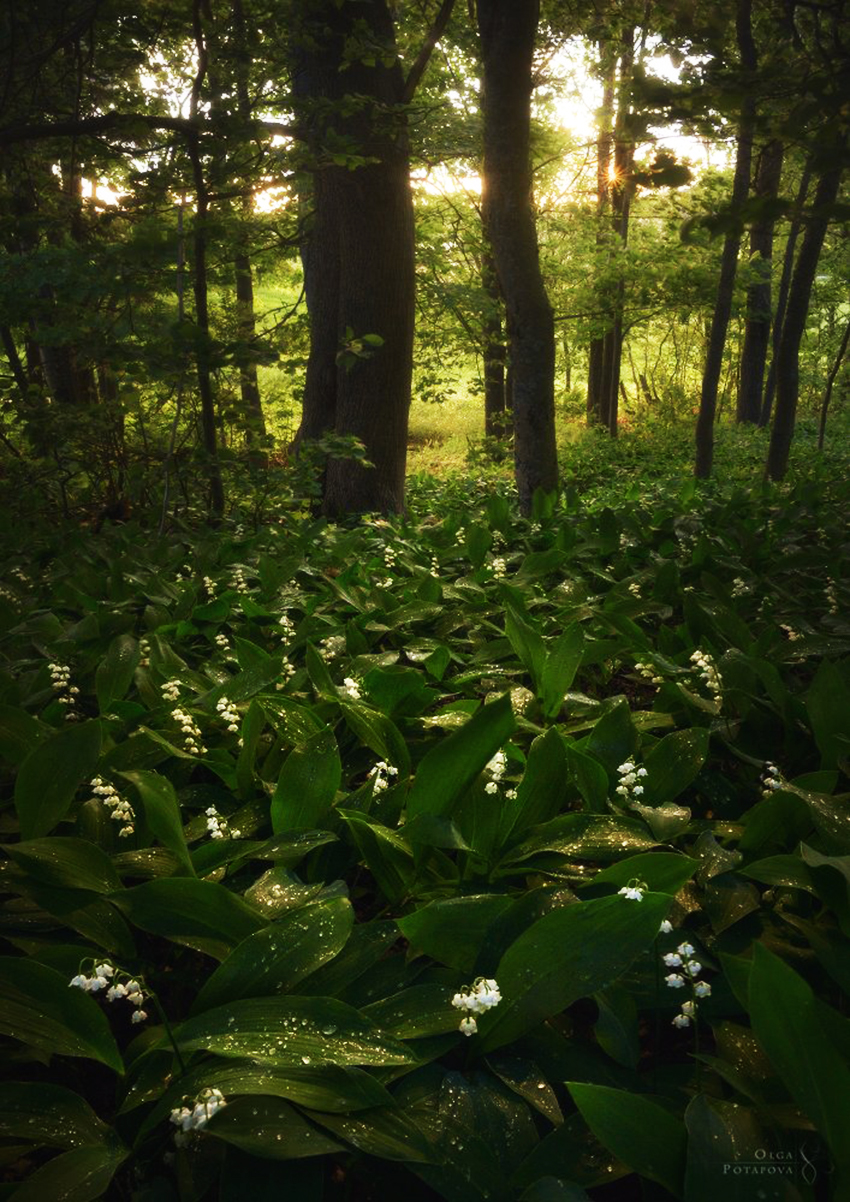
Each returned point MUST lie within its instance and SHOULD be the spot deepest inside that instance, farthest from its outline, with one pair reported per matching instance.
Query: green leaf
(590, 778)
(616, 1028)
(828, 704)
(66, 863)
(673, 763)
(323, 1087)
(114, 674)
(47, 1115)
(645, 1136)
(80, 1175)
(387, 855)
(661, 871)
(786, 1018)
(528, 643)
(162, 813)
(387, 1134)
(196, 913)
(39, 1008)
(447, 770)
(540, 793)
(291, 1031)
(721, 1136)
(269, 1127)
(418, 1011)
(613, 738)
(559, 669)
(307, 784)
(252, 728)
(378, 733)
(19, 733)
(567, 954)
(453, 930)
(276, 959)
(51, 774)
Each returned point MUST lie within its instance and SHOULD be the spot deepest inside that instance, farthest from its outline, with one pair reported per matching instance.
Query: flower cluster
(287, 627)
(481, 996)
(194, 1117)
(634, 891)
(831, 595)
(333, 645)
(684, 959)
(144, 652)
(496, 767)
(706, 668)
(790, 632)
(287, 670)
(740, 588)
(217, 826)
(209, 585)
(60, 679)
(390, 556)
(648, 672)
(228, 714)
(191, 732)
(770, 779)
(629, 774)
(121, 809)
(634, 588)
(222, 641)
(351, 688)
(171, 690)
(102, 975)
(238, 581)
(500, 568)
(380, 775)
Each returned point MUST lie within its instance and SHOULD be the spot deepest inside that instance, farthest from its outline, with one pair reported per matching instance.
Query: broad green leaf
(275, 959)
(416, 1012)
(51, 774)
(616, 1028)
(447, 770)
(613, 738)
(452, 931)
(828, 704)
(378, 733)
(45, 1114)
(322, 1087)
(162, 813)
(725, 1140)
(66, 863)
(80, 1175)
(831, 876)
(640, 1132)
(387, 855)
(39, 1008)
(559, 669)
(788, 1022)
(584, 836)
(567, 954)
(114, 674)
(196, 913)
(590, 778)
(528, 644)
(269, 1127)
(387, 1134)
(252, 728)
(19, 733)
(307, 784)
(673, 763)
(292, 1031)
(541, 791)
(660, 871)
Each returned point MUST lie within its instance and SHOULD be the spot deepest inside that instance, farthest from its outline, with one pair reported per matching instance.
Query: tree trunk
(784, 285)
(494, 353)
(608, 64)
(757, 331)
(731, 246)
(827, 396)
(359, 268)
(799, 295)
(507, 29)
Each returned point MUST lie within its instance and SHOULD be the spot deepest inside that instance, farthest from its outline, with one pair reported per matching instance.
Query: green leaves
(51, 774)
(292, 1031)
(41, 1010)
(640, 1132)
(196, 913)
(567, 954)
(447, 770)
(162, 813)
(673, 763)
(307, 784)
(115, 672)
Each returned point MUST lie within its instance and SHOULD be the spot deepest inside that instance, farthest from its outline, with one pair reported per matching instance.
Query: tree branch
(434, 34)
(12, 134)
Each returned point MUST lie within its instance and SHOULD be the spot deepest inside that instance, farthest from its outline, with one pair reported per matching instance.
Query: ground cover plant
(456, 855)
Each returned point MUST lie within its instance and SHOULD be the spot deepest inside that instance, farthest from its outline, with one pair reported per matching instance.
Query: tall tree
(358, 257)
(507, 29)
(731, 245)
(757, 328)
(608, 68)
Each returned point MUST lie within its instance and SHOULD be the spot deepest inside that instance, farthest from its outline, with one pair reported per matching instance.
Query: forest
(424, 625)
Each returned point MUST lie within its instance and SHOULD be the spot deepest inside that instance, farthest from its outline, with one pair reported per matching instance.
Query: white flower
(689, 1008)
(104, 970)
(681, 1020)
(352, 688)
(491, 787)
(694, 968)
(702, 989)
(630, 892)
(116, 991)
(672, 960)
(675, 980)
(666, 927)
(138, 1016)
(468, 1026)
(685, 949)
(80, 982)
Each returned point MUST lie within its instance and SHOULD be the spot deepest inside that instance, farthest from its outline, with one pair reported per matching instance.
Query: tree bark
(757, 329)
(799, 295)
(359, 268)
(833, 374)
(494, 353)
(782, 296)
(731, 246)
(507, 29)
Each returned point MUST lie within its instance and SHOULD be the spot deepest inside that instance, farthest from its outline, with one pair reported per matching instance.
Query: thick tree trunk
(608, 62)
(788, 356)
(494, 353)
(729, 259)
(782, 297)
(757, 330)
(359, 269)
(507, 29)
